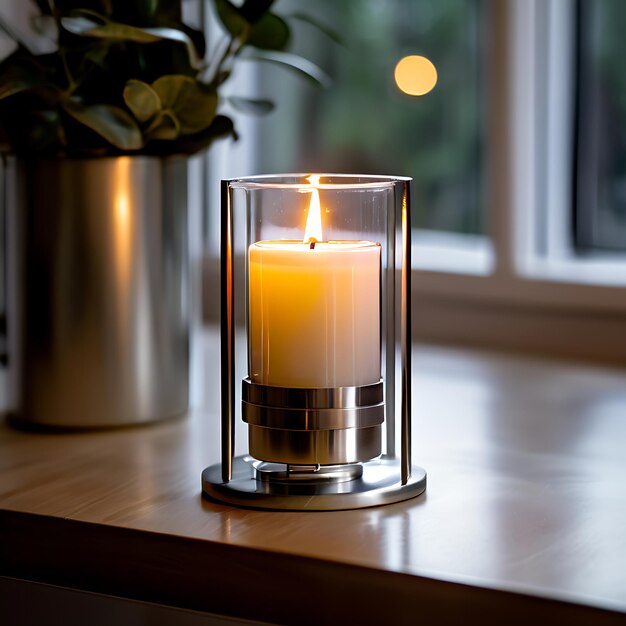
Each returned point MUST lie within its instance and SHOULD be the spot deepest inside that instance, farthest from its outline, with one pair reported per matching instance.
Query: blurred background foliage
(363, 123)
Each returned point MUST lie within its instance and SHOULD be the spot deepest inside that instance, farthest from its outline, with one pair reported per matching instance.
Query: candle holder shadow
(315, 343)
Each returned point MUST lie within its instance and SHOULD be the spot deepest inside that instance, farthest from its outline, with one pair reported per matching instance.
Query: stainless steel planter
(102, 291)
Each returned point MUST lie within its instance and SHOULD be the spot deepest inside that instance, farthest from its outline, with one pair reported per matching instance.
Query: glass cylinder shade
(315, 317)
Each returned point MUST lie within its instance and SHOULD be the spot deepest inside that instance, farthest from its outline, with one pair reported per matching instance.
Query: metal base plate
(379, 484)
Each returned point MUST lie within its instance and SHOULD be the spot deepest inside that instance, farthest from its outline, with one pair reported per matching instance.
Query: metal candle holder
(325, 321)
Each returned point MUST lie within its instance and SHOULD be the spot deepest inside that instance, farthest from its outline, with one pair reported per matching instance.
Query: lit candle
(314, 310)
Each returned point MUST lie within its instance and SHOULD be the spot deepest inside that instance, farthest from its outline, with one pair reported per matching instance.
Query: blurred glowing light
(415, 75)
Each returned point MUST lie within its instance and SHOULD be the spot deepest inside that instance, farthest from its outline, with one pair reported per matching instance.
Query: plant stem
(231, 50)
(72, 84)
(217, 66)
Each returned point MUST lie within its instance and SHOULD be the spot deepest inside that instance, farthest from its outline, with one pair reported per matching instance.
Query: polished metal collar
(318, 398)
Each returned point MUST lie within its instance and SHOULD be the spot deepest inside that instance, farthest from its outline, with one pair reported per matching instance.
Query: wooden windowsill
(523, 518)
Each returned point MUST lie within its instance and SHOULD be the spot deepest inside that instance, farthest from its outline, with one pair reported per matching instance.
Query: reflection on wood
(526, 494)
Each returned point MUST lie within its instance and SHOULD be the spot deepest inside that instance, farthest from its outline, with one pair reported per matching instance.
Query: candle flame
(313, 230)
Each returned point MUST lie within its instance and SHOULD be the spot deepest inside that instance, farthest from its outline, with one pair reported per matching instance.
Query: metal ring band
(303, 419)
(319, 398)
(323, 447)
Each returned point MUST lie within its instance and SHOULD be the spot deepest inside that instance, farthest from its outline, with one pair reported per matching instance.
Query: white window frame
(534, 283)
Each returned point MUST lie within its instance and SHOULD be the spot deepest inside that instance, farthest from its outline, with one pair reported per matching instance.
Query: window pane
(363, 123)
(601, 126)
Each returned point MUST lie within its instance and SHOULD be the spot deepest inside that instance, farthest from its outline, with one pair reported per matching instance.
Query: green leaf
(147, 8)
(293, 61)
(220, 128)
(85, 27)
(196, 36)
(269, 33)
(89, 24)
(253, 10)
(22, 73)
(221, 77)
(261, 30)
(88, 14)
(248, 105)
(11, 88)
(95, 55)
(110, 122)
(20, 78)
(230, 17)
(141, 99)
(150, 7)
(168, 127)
(172, 34)
(193, 105)
(329, 32)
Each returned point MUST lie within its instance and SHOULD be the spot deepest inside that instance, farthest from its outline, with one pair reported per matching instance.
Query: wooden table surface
(524, 515)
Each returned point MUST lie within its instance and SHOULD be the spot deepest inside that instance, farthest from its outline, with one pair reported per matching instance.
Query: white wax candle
(314, 313)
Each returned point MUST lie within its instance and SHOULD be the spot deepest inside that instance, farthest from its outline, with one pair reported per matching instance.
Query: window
(601, 127)
(363, 123)
(553, 175)
(508, 153)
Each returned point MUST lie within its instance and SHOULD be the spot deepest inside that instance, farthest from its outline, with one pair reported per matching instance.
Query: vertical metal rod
(389, 296)
(405, 338)
(4, 340)
(227, 335)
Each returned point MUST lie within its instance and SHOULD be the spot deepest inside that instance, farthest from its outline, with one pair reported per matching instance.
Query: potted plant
(102, 126)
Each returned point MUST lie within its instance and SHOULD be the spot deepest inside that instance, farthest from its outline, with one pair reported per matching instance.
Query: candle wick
(312, 243)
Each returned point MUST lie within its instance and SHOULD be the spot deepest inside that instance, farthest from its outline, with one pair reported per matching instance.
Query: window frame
(530, 154)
